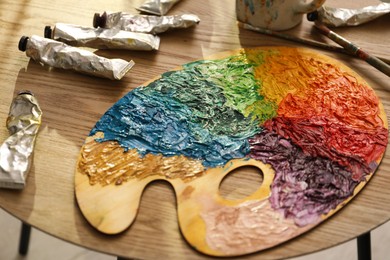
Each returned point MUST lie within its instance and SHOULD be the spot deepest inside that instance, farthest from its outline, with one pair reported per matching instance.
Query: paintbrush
(301, 40)
(351, 48)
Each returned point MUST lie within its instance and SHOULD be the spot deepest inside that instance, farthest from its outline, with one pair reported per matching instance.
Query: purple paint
(304, 187)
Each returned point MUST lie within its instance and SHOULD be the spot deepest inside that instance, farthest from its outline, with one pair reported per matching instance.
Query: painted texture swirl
(316, 124)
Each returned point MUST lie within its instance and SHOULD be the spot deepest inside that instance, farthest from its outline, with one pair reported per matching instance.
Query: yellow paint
(107, 163)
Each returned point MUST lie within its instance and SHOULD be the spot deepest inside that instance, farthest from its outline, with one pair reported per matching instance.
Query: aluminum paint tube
(144, 23)
(157, 7)
(23, 122)
(336, 17)
(101, 38)
(60, 55)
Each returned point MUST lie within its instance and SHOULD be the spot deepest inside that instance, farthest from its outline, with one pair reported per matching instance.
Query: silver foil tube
(157, 7)
(101, 38)
(336, 17)
(60, 55)
(23, 122)
(144, 23)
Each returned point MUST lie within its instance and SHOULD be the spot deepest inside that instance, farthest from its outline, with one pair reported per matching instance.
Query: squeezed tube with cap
(60, 55)
(101, 38)
(337, 17)
(144, 23)
(23, 122)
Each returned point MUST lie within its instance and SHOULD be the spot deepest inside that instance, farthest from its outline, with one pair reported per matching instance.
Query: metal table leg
(364, 246)
(24, 239)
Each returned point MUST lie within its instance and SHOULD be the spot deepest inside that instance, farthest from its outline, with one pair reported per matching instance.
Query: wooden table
(72, 103)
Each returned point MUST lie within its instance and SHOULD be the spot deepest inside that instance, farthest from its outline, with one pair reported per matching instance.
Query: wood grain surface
(72, 103)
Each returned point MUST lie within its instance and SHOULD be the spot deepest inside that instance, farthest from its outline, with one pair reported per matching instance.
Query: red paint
(337, 118)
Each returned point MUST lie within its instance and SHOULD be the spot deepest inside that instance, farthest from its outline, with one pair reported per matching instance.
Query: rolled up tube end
(23, 43)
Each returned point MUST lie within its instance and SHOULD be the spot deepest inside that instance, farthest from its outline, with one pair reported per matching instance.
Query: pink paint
(247, 227)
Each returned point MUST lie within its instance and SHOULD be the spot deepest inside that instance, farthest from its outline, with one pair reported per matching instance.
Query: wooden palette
(313, 127)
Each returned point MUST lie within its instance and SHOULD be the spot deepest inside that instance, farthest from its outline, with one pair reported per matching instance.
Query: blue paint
(183, 113)
(249, 3)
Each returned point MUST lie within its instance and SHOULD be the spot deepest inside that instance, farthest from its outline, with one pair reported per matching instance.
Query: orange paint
(306, 87)
(282, 72)
(337, 96)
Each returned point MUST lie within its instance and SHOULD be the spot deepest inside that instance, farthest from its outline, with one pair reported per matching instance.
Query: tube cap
(99, 20)
(312, 16)
(48, 32)
(25, 92)
(23, 43)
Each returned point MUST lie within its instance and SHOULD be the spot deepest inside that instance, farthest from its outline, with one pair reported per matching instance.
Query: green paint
(240, 88)
(206, 100)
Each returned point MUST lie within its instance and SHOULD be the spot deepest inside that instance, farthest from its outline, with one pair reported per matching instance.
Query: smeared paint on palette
(314, 128)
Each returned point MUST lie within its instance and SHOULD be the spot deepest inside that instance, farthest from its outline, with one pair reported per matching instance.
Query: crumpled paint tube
(336, 17)
(23, 122)
(144, 23)
(100, 38)
(157, 7)
(60, 55)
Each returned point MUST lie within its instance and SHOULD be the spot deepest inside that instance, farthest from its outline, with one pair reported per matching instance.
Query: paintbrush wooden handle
(353, 49)
(374, 61)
